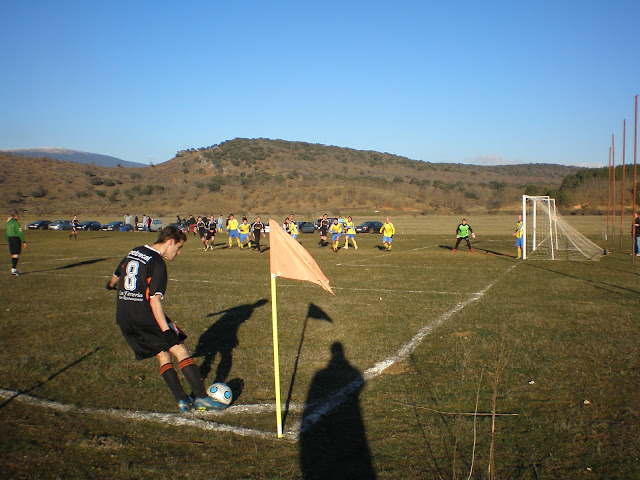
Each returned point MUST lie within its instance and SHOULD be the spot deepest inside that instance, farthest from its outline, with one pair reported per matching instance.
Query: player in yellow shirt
(244, 229)
(388, 231)
(293, 228)
(351, 233)
(232, 228)
(336, 233)
(518, 234)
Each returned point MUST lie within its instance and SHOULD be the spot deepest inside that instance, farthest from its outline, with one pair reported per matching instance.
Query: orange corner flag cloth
(289, 259)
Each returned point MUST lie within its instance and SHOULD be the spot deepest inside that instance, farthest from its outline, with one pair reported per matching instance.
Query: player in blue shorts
(350, 233)
(245, 233)
(336, 233)
(388, 231)
(232, 228)
(518, 234)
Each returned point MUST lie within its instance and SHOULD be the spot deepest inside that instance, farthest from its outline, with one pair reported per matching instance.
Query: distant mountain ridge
(263, 176)
(76, 156)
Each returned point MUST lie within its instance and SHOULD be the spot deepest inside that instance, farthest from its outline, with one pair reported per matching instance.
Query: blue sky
(482, 82)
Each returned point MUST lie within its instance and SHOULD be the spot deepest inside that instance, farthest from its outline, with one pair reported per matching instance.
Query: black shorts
(201, 232)
(209, 235)
(145, 337)
(15, 245)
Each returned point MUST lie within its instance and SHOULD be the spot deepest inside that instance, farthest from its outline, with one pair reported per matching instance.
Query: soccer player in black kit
(210, 233)
(257, 229)
(141, 281)
(324, 227)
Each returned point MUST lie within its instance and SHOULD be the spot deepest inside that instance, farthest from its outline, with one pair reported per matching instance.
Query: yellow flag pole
(276, 360)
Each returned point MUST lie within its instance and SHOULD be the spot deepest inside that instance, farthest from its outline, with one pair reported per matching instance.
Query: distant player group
(249, 235)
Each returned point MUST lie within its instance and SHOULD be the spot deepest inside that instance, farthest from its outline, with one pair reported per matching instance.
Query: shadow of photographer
(333, 441)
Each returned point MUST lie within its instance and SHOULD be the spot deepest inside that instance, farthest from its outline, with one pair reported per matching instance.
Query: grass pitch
(426, 364)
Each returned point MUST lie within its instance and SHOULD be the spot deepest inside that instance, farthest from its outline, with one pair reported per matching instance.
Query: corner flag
(288, 259)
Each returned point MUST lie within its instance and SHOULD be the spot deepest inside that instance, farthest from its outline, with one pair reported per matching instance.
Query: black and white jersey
(143, 275)
(257, 228)
(324, 226)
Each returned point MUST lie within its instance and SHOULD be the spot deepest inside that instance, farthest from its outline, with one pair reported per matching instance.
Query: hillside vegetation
(260, 175)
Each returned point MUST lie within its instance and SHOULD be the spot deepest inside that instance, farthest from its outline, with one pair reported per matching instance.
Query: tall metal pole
(635, 174)
(624, 137)
(613, 189)
(609, 194)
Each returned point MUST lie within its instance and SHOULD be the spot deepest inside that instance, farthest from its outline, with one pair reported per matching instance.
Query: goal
(547, 236)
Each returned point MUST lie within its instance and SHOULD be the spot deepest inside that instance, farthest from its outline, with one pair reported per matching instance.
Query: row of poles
(611, 195)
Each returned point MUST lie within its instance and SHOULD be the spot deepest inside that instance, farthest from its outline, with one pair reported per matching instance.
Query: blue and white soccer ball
(221, 393)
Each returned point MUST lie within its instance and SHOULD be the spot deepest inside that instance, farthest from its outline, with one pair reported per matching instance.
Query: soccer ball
(221, 393)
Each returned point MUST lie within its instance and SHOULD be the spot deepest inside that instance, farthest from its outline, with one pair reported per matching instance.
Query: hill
(76, 156)
(251, 176)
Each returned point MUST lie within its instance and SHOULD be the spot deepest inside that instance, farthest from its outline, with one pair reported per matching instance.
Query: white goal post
(547, 236)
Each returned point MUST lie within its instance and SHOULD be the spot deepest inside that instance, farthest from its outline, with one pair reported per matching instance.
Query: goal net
(547, 236)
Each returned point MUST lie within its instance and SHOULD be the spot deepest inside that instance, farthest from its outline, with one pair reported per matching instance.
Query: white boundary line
(404, 351)
(293, 433)
(189, 419)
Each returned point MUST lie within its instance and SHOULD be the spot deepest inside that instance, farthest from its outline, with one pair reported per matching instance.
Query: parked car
(39, 225)
(89, 225)
(156, 225)
(306, 227)
(369, 227)
(112, 226)
(60, 225)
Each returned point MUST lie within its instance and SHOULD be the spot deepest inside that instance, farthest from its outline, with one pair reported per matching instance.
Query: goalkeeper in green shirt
(13, 232)
(462, 233)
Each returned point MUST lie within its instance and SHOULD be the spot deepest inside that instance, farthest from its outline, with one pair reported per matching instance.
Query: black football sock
(192, 373)
(171, 377)
(14, 262)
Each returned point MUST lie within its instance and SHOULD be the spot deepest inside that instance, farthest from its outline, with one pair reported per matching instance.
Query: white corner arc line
(404, 351)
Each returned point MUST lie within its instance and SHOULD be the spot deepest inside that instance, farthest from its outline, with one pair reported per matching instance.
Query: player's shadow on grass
(313, 312)
(221, 338)
(333, 440)
(71, 265)
(51, 377)
(493, 252)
